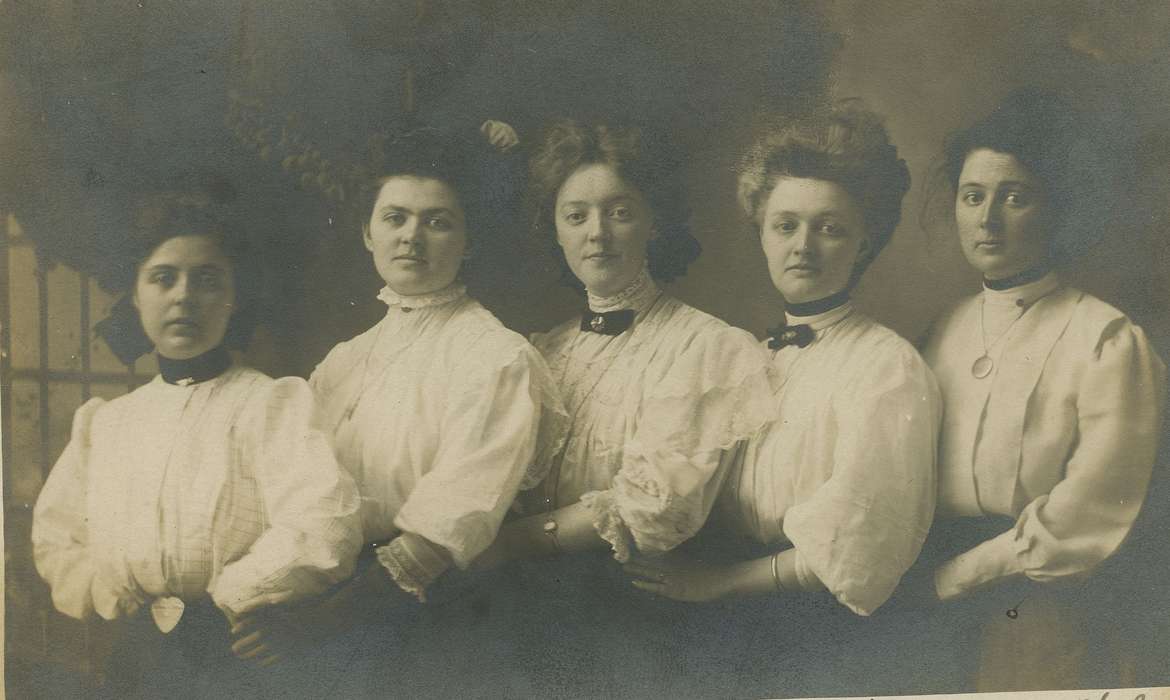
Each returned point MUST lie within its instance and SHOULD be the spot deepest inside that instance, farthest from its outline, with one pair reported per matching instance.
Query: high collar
(817, 306)
(1023, 295)
(1017, 280)
(207, 366)
(638, 295)
(823, 320)
(446, 295)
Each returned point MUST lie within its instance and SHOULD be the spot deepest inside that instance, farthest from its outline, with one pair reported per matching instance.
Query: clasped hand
(269, 634)
(677, 577)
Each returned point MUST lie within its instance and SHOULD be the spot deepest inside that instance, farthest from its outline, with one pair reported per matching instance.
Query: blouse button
(407, 309)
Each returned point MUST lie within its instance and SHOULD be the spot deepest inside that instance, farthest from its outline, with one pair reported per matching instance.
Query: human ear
(367, 238)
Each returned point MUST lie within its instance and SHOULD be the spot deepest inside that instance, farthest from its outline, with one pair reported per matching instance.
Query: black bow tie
(799, 335)
(608, 322)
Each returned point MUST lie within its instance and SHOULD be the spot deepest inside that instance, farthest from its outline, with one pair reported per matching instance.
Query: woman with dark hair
(657, 392)
(438, 411)
(1053, 402)
(834, 500)
(202, 497)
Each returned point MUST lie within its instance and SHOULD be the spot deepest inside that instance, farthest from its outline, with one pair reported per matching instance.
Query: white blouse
(1061, 435)
(436, 412)
(847, 475)
(653, 410)
(226, 487)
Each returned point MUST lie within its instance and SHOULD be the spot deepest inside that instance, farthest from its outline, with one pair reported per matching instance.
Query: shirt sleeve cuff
(414, 563)
(805, 576)
(987, 563)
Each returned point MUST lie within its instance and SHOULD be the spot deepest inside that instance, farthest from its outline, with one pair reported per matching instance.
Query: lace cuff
(608, 522)
(413, 563)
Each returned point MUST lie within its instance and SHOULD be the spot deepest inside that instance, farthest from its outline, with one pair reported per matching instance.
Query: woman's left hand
(257, 639)
(678, 578)
(268, 635)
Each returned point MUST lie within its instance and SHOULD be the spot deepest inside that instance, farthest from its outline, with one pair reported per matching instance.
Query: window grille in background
(50, 363)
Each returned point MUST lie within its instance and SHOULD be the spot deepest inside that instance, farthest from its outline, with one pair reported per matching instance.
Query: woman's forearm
(568, 529)
(766, 575)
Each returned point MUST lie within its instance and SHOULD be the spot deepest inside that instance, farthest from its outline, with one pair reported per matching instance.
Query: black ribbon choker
(209, 365)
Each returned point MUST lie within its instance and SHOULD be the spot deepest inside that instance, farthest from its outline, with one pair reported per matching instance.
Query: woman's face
(603, 225)
(1000, 209)
(416, 234)
(185, 294)
(812, 233)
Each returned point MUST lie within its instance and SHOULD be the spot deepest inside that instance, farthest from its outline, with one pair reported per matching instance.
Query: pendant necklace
(983, 365)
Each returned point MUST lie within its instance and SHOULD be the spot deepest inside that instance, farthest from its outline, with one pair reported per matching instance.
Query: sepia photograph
(616, 349)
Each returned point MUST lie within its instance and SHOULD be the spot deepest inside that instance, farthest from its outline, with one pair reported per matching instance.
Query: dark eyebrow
(605, 202)
(1019, 184)
(821, 215)
(424, 212)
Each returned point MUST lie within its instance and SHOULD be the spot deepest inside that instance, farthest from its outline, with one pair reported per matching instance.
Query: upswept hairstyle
(640, 157)
(483, 180)
(1053, 140)
(847, 145)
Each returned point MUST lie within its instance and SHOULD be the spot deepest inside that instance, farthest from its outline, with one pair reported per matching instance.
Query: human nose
(990, 215)
(411, 233)
(802, 241)
(598, 229)
(183, 292)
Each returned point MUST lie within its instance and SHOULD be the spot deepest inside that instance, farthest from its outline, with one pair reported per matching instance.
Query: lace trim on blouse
(637, 296)
(607, 521)
(448, 294)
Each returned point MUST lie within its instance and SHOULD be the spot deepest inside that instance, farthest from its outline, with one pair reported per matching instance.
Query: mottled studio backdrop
(271, 104)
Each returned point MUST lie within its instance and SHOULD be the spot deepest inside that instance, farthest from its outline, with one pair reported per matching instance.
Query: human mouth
(803, 267)
(183, 325)
(409, 258)
(601, 256)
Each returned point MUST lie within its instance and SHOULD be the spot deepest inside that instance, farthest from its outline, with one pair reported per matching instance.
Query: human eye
(439, 223)
(208, 279)
(621, 212)
(785, 226)
(1017, 198)
(832, 228)
(394, 218)
(165, 278)
(575, 217)
(972, 198)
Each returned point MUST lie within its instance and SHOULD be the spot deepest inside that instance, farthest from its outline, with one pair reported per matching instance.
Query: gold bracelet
(776, 572)
(550, 529)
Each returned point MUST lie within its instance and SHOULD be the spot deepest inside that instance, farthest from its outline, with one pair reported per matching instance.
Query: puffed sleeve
(324, 375)
(716, 392)
(864, 527)
(311, 504)
(82, 582)
(495, 400)
(1088, 514)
